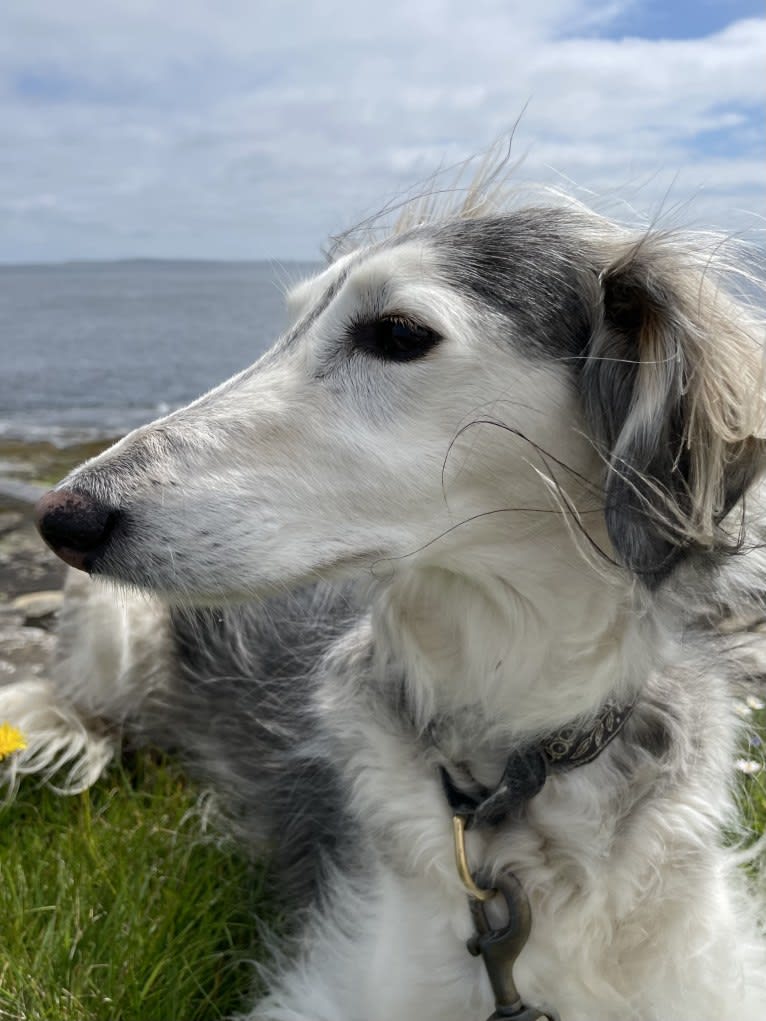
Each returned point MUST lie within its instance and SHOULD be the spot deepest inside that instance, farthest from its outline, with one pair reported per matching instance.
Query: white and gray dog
(447, 550)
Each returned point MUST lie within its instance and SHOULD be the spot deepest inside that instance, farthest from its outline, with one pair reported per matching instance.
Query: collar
(527, 769)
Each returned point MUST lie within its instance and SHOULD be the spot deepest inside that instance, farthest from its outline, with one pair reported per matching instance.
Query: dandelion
(11, 740)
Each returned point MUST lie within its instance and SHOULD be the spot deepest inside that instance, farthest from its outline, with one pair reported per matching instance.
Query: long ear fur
(673, 385)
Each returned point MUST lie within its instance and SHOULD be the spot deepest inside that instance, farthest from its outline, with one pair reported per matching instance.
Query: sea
(91, 350)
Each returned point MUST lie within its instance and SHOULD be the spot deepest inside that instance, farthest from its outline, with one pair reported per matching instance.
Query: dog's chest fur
(593, 886)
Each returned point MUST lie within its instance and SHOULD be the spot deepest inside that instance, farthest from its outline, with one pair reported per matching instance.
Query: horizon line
(122, 260)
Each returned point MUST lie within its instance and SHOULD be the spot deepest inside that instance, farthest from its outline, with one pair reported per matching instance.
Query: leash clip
(499, 949)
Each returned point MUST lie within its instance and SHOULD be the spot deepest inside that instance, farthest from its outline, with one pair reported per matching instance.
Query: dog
(438, 577)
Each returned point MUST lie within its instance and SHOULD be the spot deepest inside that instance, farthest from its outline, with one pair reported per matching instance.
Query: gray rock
(24, 652)
(26, 565)
(38, 608)
(24, 492)
(10, 521)
(9, 616)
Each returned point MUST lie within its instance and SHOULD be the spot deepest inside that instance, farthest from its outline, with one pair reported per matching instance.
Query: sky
(247, 129)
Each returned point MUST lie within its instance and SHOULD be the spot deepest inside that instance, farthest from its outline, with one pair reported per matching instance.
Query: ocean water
(95, 349)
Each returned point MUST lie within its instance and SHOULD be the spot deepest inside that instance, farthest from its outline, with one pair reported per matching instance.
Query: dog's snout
(75, 525)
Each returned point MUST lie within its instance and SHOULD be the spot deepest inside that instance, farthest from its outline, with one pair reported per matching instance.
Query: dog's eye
(393, 339)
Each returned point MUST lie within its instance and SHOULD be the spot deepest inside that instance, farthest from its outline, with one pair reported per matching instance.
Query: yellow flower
(11, 740)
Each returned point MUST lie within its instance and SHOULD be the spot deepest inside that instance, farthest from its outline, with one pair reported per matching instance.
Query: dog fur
(362, 567)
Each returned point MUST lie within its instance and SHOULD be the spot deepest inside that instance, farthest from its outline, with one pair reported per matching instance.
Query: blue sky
(678, 19)
(245, 129)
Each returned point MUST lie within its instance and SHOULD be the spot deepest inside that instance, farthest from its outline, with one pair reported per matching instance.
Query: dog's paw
(60, 747)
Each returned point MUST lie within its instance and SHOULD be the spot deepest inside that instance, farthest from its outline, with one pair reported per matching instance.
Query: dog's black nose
(75, 526)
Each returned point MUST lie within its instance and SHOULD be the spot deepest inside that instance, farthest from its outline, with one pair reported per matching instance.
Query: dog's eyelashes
(393, 338)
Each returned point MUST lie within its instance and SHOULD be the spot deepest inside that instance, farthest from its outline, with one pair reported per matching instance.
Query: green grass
(114, 905)
(752, 799)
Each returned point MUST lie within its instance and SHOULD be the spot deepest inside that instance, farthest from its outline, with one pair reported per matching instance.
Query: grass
(752, 791)
(114, 906)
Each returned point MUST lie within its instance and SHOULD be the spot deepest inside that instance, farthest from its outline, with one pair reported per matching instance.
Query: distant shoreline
(138, 261)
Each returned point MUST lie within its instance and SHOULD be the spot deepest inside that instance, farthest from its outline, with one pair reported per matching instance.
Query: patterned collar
(527, 770)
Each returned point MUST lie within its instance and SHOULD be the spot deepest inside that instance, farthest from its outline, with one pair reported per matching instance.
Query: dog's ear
(673, 390)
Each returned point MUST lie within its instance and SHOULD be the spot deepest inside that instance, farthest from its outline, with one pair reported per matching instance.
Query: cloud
(244, 130)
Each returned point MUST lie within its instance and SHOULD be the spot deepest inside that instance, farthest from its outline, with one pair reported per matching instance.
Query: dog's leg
(109, 656)
(60, 745)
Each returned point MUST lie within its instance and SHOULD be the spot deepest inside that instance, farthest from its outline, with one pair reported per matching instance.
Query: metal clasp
(499, 947)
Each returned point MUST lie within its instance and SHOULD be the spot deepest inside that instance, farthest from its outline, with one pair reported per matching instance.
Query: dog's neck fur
(523, 648)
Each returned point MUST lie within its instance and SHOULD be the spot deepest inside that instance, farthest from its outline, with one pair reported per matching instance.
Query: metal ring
(461, 861)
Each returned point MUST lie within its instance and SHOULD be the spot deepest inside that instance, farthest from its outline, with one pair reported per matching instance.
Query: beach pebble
(15, 640)
(10, 521)
(23, 651)
(38, 608)
(10, 616)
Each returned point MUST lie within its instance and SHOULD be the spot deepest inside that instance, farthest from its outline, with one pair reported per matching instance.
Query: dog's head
(477, 391)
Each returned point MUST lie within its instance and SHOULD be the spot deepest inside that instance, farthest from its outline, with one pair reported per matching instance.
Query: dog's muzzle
(76, 526)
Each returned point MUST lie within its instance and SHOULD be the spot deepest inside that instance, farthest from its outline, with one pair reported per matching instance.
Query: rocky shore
(30, 583)
(31, 577)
